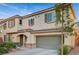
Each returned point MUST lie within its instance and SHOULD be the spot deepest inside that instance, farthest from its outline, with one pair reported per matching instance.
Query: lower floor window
(5, 38)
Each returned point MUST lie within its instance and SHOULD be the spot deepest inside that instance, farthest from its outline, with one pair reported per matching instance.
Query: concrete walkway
(75, 51)
(34, 51)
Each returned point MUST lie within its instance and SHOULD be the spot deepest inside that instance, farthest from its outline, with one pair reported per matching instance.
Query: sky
(11, 9)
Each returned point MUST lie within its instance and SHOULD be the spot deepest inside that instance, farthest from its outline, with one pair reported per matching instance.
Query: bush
(66, 50)
(6, 47)
(2, 45)
(10, 45)
(3, 50)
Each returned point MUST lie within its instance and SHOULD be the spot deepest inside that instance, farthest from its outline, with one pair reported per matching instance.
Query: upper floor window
(20, 22)
(11, 23)
(4, 26)
(31, 22)
(50, 17)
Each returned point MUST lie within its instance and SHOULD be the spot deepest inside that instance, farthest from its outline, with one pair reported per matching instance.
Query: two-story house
(36, 30)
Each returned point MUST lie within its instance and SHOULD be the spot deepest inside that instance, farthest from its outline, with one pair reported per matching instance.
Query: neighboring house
(37, 30)
(77, 34)
(1, 19)
(1, 40)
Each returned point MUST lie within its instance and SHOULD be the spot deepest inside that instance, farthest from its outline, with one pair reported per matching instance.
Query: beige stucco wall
(31, 38)
(70, 41)
(15, 37)
(8, 30)
(39, 22)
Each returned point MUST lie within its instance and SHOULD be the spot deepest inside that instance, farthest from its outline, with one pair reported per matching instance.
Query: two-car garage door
(49, 42)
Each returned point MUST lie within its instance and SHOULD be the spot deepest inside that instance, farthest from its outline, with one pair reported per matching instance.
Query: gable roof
(39, 12)
(10, 18)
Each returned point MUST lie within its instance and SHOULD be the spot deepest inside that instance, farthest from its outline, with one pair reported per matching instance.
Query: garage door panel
(50, 42)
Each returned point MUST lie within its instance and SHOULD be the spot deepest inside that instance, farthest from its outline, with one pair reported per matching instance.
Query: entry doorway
(22, 40)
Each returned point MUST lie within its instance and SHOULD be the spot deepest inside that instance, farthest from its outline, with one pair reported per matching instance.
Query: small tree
(62, 15)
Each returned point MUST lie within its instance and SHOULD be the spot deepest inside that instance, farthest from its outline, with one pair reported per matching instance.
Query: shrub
(66, 50)
(3, 50)
(2, 45)
(6, 47)
(10, 45)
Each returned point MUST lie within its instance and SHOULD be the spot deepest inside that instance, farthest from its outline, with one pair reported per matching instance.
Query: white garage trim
(56, 33)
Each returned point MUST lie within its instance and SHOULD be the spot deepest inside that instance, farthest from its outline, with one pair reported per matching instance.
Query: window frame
(52, 19)
(4, 26)
(20, 22)
(5, 38)
(11, 23)
(31, 22)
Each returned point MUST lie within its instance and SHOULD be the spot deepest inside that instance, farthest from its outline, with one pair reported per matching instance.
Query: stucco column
(28, 42)
(33, 41)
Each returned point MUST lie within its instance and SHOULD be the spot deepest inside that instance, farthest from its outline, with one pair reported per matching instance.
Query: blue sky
(7, 10)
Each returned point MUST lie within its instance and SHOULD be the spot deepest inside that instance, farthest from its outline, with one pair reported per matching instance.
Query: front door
(21, 40)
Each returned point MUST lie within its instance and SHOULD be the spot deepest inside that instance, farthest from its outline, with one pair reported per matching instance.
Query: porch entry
(22, 40)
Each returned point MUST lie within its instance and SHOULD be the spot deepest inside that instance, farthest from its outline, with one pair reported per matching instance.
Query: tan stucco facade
(31, 37)
(39, 24)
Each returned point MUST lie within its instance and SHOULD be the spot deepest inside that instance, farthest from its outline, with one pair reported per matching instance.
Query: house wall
(39, 22)
(31, 38)
(70, 40)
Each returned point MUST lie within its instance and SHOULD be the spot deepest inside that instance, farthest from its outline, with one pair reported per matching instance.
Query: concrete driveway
(34, 51)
